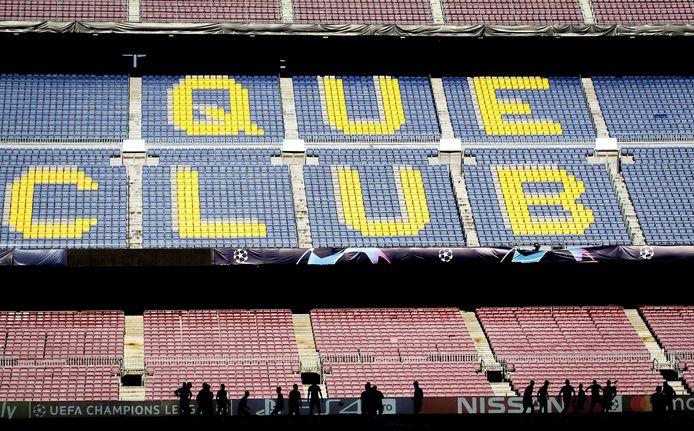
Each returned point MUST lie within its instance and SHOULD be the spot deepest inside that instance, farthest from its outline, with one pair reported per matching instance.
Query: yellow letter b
(515, 202)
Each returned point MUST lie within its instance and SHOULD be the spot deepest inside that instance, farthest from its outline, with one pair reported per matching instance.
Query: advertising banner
(329, 406)
(447, 256)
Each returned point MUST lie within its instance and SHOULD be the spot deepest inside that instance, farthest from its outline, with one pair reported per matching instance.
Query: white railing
(77, 361)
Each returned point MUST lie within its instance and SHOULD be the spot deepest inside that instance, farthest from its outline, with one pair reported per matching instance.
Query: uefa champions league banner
(257, 407)
(388, 256)
(352, 255)
(331, 406)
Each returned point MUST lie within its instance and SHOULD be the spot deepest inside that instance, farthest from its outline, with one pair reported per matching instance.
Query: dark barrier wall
(228, 54)
(302, 288)
(149, 257)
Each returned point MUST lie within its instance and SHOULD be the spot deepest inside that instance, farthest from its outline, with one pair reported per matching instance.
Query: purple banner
(388, 256)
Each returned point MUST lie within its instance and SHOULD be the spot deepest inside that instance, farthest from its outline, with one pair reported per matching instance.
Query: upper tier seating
(365, 109)
(245, 350)
(393, 347)
(61, 338)
(217, 198)
(512, 12)
(647, 108)
(518, 109)
(62, 198)
(644, 11)
(660, 184)
(211, 109)
(63, 10)
(63, 108)
(530, 337)
(549, 196)
(259, 11)
(465, 12)
(365, 11)
(380, 198)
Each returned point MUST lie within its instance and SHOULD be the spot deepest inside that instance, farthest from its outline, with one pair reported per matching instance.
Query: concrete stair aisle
(133, 10)
(287, 10)
(646, 336)
(131, 393)
(587, 11)
(133, 167)
(303, 226)
(626, 205)
(436, 11)
(483, 349)
(291, 128)
(503, 389)
(133, 358)
(595, 109)
(454, 161)
(135, 108)
(441, 103)
(679, 387)
(310, 361)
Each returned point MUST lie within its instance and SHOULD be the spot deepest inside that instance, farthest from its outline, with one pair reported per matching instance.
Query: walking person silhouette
(542, 395)
(279, 404)
(528, 397)
(243, 410)
(567, 393)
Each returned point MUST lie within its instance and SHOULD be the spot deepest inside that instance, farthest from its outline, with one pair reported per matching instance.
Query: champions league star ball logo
(38, 411)
(446, 255)
(646, 253)
(240, 255)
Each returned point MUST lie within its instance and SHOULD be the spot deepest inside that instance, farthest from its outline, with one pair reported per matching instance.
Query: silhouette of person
(668, 396)
(378, 399)
(528, 397)
(542, 395)
(580, 399)
(294, 401)
(608, 394)
(315, 395)
(243, 405)
(366, 400)
(279, 404)
(418, 398)
(204, 400)
(658, 401)
(184, 395)
(567, 393)
(595, 397)
(222, 401)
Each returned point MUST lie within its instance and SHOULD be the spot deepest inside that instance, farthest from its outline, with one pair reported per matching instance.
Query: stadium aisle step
(484, 350)
(303, 331)
(626, 205)
(454, 161)
(595, 110)
(133, 357)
